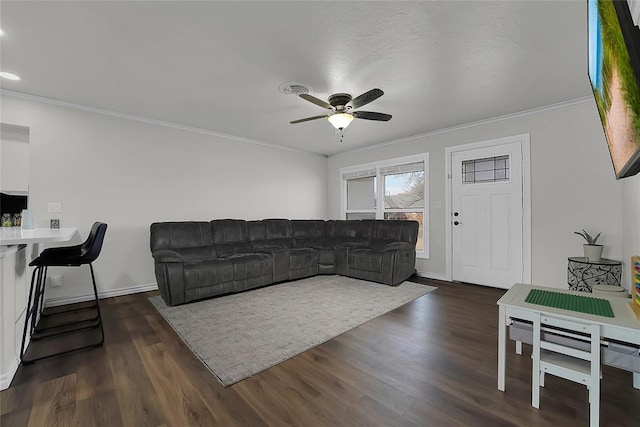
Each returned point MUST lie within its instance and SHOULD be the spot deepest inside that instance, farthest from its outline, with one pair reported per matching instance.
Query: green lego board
(589, 305)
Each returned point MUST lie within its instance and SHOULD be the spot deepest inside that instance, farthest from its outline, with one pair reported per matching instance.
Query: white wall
(130, 174)
(573, 185)
(630, 223)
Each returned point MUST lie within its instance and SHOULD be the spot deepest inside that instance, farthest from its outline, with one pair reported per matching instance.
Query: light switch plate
(54, 207)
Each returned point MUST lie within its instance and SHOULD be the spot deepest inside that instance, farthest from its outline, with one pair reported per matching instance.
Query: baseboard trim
(435, 276)
(53, 302)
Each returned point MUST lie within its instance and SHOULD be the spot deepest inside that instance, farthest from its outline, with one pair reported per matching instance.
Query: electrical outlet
(55, 207)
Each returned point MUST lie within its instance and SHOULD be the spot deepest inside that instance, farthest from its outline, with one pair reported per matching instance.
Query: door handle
(456, 223)
(456, 214)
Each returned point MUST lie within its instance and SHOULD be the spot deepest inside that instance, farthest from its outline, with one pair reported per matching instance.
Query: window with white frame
(391, 189)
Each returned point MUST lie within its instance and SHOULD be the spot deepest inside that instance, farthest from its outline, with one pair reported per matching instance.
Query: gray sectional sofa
(196, 260)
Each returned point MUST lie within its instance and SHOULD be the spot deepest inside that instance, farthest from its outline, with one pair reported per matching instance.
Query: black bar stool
(42, 325)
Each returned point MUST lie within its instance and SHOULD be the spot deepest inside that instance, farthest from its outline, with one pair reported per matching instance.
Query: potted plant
(592, 251)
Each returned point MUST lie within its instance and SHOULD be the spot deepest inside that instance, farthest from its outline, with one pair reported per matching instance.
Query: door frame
(524, 140)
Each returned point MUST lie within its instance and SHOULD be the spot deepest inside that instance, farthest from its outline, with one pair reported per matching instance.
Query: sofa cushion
(180, 235)
(303, 263)
(367, 228)
(257, 231)
(229, 231)
(249, 265)
(365, 259)
(277, 229)
(326, 255)
(234, 249)
(302, 258)
(278, 232)
(308, 233)
(397, 231)
(207, 273)
(339, 232)
(342, 229)
(230, 237)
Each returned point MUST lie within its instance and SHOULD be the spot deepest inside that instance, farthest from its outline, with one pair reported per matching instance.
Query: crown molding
(472, 124)
(163, 123)
(172, 125)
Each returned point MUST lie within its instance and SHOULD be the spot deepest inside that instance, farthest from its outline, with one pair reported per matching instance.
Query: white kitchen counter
(18, 236)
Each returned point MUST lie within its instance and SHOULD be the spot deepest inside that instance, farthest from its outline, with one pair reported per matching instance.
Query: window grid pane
(404, 190)
(490, 169)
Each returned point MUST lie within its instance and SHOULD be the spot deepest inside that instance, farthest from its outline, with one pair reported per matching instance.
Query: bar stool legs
(40, 327)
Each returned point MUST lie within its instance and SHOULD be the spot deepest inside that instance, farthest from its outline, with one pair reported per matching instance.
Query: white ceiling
(218, 65)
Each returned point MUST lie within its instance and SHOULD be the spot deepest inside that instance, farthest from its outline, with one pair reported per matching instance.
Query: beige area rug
(240, 335)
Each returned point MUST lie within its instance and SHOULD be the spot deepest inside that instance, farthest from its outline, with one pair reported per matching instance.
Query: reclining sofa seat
(275, 237)
(197, 260)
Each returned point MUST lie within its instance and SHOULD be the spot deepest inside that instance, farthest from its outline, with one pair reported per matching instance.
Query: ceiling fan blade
(308, 119)
(314, 100)
(370, 115)
(365, 98)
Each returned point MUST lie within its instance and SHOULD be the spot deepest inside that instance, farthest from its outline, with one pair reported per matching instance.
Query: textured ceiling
(218, 65)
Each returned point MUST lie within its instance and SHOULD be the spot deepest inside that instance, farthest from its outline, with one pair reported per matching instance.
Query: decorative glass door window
(491, 169)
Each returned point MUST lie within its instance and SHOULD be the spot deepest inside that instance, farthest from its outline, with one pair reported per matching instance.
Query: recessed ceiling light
(9, 76)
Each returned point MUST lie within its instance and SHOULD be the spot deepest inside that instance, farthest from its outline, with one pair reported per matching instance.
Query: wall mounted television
(614, 73)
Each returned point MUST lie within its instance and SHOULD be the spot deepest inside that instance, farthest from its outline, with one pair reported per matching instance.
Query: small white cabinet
(17, 249)
(14, 274)
(14, 159)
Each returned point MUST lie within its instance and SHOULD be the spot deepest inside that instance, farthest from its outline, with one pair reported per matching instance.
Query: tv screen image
(614, 71)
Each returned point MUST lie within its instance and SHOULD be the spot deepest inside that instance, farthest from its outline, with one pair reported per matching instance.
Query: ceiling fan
(342, 106)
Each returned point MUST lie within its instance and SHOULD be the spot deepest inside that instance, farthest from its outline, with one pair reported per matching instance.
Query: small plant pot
(593, 253)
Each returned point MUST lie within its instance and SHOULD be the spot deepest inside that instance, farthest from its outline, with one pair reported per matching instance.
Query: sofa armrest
(170, 277)
(399, 246)
(166, 255)
(281, 260)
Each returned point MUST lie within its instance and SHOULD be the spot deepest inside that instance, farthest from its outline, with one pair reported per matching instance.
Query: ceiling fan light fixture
(340, 121)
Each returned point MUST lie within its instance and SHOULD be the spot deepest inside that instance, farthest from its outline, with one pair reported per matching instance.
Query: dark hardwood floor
(432, 362)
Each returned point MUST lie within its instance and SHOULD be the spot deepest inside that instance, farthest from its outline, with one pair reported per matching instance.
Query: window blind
(359, 174)
(406, 168)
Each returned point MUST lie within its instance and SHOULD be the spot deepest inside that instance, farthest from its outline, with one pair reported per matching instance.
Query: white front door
(487, 215)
